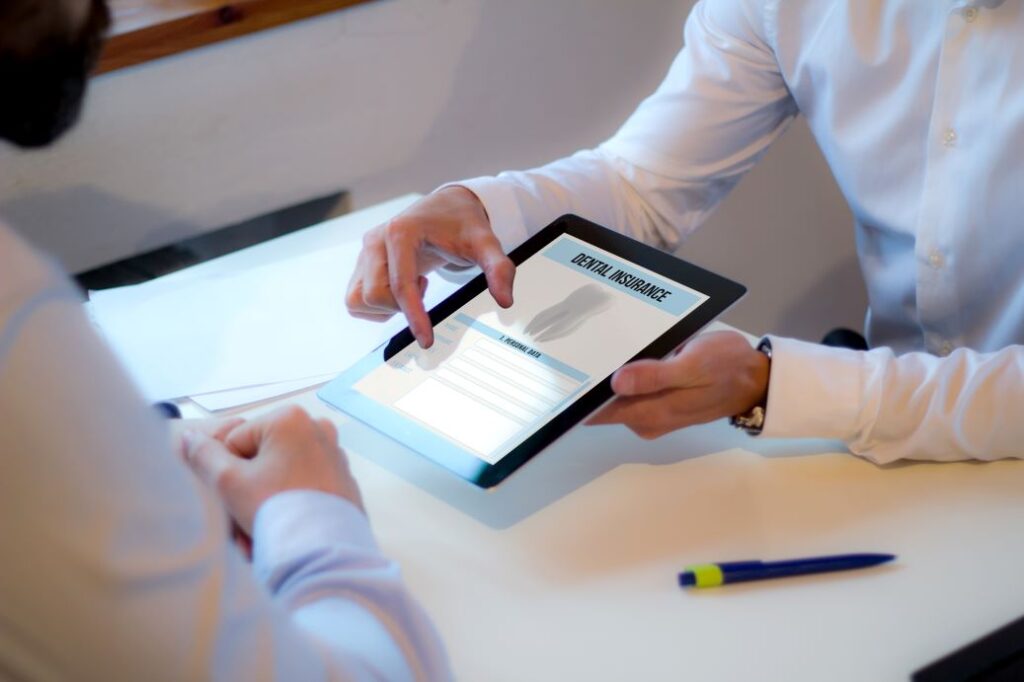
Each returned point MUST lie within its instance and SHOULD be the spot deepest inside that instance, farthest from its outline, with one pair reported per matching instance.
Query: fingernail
(623, 383)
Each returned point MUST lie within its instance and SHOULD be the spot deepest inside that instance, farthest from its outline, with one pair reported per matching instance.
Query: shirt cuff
(814, 391)
(297, 525)
(499, 200)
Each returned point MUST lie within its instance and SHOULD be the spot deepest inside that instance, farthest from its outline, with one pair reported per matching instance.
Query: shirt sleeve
(116, 561)
(722, 104)
(888, 407)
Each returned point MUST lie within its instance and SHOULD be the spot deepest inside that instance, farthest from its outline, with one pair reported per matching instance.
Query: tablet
(500, 385)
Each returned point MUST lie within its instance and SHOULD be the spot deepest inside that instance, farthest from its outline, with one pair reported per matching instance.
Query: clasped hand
(248, 462)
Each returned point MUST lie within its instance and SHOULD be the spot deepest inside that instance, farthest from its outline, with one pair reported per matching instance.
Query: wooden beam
(145, 30)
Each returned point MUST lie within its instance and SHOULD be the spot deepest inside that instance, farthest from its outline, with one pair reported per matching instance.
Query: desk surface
(568, 570)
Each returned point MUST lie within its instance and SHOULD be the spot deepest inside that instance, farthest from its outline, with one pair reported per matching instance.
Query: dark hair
(44, 65)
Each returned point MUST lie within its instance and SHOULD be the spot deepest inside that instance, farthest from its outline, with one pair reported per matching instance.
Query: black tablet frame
(721, 292)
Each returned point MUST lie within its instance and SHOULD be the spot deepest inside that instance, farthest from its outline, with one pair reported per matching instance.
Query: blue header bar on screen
(617, 274)
(533, 353)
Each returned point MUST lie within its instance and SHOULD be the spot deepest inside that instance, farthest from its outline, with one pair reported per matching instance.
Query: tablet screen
(494, 376)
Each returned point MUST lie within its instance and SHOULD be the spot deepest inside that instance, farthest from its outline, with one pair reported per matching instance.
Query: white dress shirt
(918, 106)
(116, 563)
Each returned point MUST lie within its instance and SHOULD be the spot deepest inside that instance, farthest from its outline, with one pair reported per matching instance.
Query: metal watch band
(753, 421)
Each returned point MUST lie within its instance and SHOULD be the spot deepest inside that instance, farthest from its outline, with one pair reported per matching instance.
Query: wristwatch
(753, 421)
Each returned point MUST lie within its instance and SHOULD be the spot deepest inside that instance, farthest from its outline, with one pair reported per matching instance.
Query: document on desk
(284, 322)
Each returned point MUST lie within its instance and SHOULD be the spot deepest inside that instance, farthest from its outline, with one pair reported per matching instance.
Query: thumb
(208, 458)
(648, 376)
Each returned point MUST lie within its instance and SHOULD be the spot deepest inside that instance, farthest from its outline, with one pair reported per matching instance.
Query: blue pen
(713, 575)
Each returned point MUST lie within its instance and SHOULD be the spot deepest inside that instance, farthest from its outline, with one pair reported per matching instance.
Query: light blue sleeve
(316, 554)
(116, 563)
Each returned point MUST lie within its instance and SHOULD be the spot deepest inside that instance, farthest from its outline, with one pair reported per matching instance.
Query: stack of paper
(234, 339)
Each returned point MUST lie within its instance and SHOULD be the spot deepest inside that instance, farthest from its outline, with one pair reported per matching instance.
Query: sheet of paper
(269, 324)
(226, 400)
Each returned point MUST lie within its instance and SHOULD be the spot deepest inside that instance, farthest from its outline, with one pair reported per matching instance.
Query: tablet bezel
(721, 293)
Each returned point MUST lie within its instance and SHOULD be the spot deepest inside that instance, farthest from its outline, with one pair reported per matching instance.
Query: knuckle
(328, 427)
(354, 297)
(504, 267)
(378, 297)
(372, 317)
(373, 238)
(403, 287)
(653, 431)
(228, 480)
(397, 228)
(292, 415)
(643, 431)
(652, 426)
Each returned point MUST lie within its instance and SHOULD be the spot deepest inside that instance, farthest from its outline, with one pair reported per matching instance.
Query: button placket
(936, 294)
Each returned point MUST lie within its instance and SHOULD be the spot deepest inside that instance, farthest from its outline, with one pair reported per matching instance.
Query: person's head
(47, 49)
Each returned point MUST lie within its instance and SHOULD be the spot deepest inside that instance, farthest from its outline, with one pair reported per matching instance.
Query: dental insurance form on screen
(495, 376)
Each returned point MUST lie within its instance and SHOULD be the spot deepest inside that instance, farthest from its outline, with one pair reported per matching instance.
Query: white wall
(402, 95)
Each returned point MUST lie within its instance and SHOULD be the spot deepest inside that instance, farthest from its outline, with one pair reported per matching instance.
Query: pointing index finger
(404, 276)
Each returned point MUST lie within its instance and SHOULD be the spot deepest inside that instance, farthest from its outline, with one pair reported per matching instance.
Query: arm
(118, 560)
(720, 107)
(915, 406)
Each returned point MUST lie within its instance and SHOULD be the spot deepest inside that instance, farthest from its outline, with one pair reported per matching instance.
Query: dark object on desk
(714, 575)
(841, 337)
(168, 410)
(209, 245)
(996, 657)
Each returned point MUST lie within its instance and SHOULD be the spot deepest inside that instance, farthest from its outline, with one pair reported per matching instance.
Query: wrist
(501, 202)
(752, 418)
(468, 201)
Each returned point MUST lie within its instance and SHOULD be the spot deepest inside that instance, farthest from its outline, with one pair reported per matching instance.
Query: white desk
(568, 571)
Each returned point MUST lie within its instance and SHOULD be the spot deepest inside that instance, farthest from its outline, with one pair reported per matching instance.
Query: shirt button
(970, 14)
(949, 137)
(935, 259)
(946, 348)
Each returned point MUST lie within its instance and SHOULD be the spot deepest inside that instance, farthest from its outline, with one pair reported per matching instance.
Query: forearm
(721, 105)
(600, 187)
(317, 556)
(915, 406)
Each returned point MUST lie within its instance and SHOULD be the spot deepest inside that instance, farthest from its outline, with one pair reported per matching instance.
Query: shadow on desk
(583, 455)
